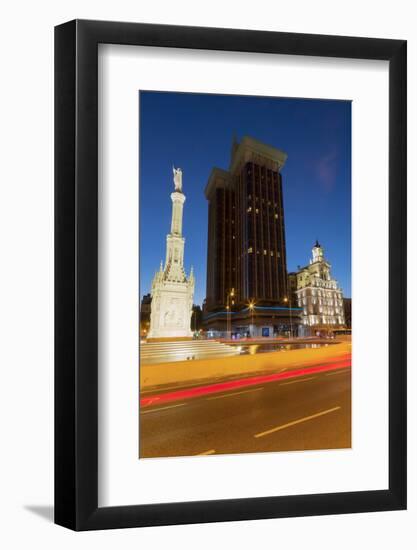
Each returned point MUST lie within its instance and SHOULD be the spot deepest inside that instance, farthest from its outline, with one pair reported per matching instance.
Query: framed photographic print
(230, 275)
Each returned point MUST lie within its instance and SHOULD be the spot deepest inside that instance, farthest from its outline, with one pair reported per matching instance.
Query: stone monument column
(178, 199)
(172, 291)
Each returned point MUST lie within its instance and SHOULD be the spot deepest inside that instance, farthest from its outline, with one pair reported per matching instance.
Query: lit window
(249, 209)
(264, 252)
(257, 210)
(276, 216)
(250, 250)
(272, 253)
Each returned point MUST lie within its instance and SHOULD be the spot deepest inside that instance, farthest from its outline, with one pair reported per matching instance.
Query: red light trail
(218, 387)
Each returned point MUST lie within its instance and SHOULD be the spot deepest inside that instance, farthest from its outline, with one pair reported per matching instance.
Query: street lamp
(229, 320)
(286, 300)
(251, 307)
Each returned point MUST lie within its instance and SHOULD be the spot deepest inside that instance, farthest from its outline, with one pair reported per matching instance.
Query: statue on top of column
(177, 178)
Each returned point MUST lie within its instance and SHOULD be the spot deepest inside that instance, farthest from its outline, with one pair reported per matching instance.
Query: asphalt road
(305, 413)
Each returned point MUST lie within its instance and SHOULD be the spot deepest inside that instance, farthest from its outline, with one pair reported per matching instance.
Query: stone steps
(161, 352)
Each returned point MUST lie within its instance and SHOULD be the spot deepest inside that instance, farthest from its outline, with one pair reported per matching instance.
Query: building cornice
(218, 178)
(258, 148)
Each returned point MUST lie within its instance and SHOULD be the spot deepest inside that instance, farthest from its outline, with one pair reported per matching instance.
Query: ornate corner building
(172, 292)
(318, 294)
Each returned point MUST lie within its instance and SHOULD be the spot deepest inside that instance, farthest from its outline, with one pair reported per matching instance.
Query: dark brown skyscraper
(246, 238)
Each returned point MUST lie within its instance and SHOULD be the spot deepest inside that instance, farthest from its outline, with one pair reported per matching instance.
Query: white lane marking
(294, 422)
(296, 381)
(209, 452)
(337, 372)
(162, 408)
(233, 394)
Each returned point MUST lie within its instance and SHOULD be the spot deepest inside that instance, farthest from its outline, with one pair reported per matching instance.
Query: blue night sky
(195, 131)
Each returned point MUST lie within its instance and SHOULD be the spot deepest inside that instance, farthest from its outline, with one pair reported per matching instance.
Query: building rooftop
(223, 178)
(257, 147)
(218, 178)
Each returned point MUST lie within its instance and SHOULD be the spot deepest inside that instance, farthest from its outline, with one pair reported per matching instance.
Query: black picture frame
(76, 272)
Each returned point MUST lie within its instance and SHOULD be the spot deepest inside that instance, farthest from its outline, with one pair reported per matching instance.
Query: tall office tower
(246, 260)
(221, 238)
